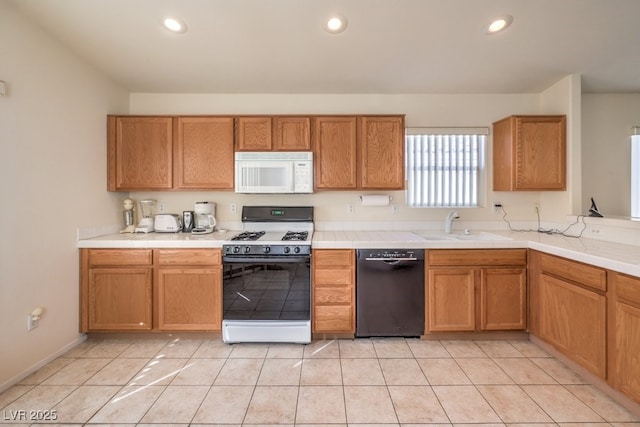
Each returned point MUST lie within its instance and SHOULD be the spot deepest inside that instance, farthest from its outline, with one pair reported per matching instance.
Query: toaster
(167, 223)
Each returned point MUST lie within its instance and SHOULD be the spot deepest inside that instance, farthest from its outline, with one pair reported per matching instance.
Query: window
(445, 167)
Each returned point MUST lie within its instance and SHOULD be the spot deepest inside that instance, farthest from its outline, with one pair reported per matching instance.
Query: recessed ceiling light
(174, 25)
(335, 24)
(499, 24)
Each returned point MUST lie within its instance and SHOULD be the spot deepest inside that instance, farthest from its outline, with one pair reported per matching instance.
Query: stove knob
(266, 249)
(296, 249)
(287, 249)
(246, 249)
(236, 250)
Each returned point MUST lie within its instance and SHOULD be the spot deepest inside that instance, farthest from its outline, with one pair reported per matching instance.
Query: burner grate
(296, 235)
(248, 235)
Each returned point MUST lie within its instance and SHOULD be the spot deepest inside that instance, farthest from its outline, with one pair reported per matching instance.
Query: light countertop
(613, 256)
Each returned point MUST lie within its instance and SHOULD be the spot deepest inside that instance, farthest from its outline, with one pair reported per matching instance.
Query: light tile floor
(340, 382)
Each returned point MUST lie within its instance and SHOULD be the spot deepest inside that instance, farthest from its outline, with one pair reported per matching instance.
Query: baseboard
(16, 379)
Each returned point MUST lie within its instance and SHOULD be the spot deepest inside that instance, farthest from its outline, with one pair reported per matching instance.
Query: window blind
(444, 169)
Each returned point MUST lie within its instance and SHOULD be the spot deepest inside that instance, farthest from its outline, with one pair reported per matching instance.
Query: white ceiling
(390, 46)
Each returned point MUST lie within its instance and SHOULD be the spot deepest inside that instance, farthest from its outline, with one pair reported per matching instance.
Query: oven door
(266, 288)
(266, 299)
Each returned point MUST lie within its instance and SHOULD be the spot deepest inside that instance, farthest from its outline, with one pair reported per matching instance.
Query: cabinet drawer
(189, 256)
(332, 295)
(627, 288)
(333, 258)
(120, 257)
(333, 318)
(583, 274)
(338, 276)
(468, 257)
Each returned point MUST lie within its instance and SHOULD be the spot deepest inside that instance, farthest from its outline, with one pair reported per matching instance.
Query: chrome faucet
(449, 221)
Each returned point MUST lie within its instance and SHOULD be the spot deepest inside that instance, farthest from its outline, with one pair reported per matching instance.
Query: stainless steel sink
(436, 236)
(472, 236)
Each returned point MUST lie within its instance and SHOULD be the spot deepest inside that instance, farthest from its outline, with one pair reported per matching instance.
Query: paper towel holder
(375, 199)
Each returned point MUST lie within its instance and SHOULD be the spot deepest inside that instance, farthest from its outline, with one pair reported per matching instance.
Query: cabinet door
(626, 363)
(140, 153)
(529, 153)
(451, 299)
(503, 299)
(624, 339)
(204, 153)
(291, 133)
(334, 145)
(253, 134)
(119, 299)
(381, 143)
(573, 319)
(189, 299)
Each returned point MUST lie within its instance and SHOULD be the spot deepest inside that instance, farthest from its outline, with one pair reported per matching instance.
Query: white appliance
(148, 211)
(205, 218)
(267, 276)
(274, 172)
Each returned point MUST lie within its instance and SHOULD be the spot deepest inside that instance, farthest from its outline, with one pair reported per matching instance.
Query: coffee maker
(205, 219)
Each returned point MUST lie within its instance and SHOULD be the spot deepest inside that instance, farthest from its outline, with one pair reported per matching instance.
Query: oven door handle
(265, 260)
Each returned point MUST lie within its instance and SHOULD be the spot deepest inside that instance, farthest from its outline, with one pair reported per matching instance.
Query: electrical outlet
(394, 209)
(497, 206)
(350, 208)
(233, 208)
(160, 208)
(32, 322)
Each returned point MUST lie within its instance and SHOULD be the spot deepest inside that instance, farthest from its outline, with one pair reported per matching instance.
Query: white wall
(420, 110)
(52, 181)
(607, 120)
(564, 97)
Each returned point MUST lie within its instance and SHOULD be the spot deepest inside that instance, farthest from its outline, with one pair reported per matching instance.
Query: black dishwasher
(390, 292)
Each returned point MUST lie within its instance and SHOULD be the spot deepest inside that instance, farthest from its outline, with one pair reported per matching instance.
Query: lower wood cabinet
(624, 336)
(333, 281)
(187, 294)
(470, 289)
(569, 300)
(150, 289)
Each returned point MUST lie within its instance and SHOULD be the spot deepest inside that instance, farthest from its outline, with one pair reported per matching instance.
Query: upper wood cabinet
(273, 133)
(163, 153)
(335, 151)
(529, 153)
(204, 153)
(291, 133)
(140, 151)
(381, 145)
(253, 134)
(359, 152)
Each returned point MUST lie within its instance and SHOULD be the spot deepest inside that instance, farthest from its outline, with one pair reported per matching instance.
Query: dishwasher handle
(391, 260)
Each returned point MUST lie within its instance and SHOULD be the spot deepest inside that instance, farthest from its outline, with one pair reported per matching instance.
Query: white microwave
(274, 172)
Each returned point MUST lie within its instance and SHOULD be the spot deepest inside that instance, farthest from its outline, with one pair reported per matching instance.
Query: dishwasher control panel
(391, 254)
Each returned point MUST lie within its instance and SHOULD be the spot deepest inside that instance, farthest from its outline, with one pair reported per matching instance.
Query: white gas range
(267, 276)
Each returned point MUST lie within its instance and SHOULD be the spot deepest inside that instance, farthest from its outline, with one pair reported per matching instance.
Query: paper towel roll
(375, 200)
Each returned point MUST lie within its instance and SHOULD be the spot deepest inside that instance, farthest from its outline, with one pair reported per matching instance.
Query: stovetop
(272, 231)
(287, 236)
